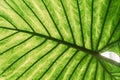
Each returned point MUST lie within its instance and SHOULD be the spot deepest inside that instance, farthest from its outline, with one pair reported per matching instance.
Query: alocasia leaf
(59, 39)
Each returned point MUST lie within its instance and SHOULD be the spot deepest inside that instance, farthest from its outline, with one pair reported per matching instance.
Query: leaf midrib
(53, 39)
(96, 54)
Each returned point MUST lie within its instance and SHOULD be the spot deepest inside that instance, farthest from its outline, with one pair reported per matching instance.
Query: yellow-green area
(59, 39)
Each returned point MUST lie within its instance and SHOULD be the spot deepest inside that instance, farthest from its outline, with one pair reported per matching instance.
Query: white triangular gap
(111, 55)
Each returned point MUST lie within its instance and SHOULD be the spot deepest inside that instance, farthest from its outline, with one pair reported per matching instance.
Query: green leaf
(59, 39)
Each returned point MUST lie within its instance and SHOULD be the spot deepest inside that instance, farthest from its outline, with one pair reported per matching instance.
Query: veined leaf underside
(58, 39)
